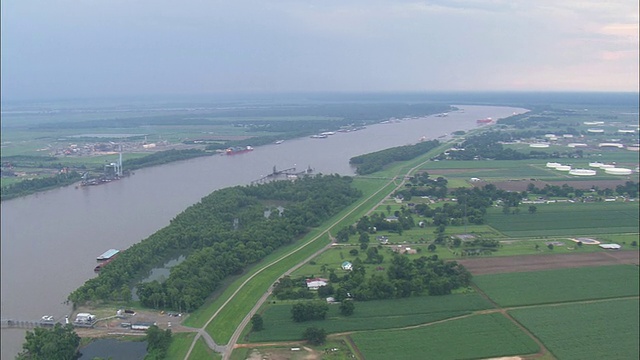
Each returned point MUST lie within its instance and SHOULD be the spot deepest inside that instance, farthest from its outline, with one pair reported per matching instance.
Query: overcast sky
(94, 48)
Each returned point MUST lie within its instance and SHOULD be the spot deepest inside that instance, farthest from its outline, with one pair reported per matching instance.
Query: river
(50, 240)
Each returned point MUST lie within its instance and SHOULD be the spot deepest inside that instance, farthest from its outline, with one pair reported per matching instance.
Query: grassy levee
(180, 343)
(201, 351)
(560, 285)
(474, 337)
(601, 330)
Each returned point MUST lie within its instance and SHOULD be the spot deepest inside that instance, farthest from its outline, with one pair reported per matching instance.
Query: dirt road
(522, 263)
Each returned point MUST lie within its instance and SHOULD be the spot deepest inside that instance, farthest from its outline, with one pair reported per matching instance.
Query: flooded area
(50, 240)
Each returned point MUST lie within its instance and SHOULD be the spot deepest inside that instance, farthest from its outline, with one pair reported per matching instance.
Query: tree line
(162, 157)
(404, 278)
(223, 233)
(30, 186)
(376, 161)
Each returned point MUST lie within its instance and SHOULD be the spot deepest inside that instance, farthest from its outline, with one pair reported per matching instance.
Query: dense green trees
(158, 342)
(162, 157)
(59, 342)
(287, 288)
(26, 187)
(309, 310)
(404, 278)
(257, 324)
(223, 233)
(347, 307)
(376, 161)
(315, 336)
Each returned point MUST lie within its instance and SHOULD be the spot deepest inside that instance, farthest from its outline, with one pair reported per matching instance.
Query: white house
(314, 284)
(347, 266)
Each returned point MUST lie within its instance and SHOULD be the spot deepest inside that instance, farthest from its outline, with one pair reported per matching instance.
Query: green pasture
(200, 351)
(570, 219)
(600, 330)
(560, 285)
(180, 344)
(474, 337)
(368, 315)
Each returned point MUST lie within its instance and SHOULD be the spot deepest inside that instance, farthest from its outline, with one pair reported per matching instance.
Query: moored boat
(108, 254)
(238, 150)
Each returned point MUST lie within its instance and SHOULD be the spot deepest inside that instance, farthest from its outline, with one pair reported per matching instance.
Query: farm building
(314, 284)
(610, 246)
(347, 266)
(404, 250)
(382, 239)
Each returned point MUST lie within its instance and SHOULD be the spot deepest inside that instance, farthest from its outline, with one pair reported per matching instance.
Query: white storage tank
(539, 145)
(582, 172)
(618, 171)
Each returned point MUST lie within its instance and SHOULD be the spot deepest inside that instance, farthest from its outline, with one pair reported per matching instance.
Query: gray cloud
(68, 48)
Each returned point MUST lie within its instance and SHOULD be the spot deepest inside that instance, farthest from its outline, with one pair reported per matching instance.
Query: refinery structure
(112, 171)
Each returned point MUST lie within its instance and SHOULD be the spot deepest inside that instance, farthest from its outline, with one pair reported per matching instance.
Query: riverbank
(79, 224)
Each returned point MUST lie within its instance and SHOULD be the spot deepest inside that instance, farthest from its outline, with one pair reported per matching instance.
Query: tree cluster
(315, 336)
(630, 188)
(158, 342)
(162, 157)
(309, 310)
(223, 233)
(287, 288)
(404, 278)
(376, 161)
(60, 343)
(26, 187)
(422, 185)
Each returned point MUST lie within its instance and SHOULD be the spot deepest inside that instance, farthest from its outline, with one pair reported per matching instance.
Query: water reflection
(160, 274)
(114, 349)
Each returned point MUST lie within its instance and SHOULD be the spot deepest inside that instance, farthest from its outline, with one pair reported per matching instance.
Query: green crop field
(474, 337)
(603, 330)
(560, 285)
(568, 219)
(369, 315)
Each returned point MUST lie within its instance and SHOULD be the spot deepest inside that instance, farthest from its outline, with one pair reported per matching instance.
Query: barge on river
(108, 254)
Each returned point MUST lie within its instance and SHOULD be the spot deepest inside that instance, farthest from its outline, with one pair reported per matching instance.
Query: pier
(26, 324)
(287, 172)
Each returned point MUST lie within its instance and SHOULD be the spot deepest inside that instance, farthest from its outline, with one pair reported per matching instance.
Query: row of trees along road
(223, 233)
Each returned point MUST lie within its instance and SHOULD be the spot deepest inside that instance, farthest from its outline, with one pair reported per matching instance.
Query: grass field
(475, 337)
(603, 330)
(568, 219)
(201, 351)
(369, 315)
(180, 343)
(561, 285)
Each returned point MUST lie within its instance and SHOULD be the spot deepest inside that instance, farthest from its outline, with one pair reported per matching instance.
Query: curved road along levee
(226, 350)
